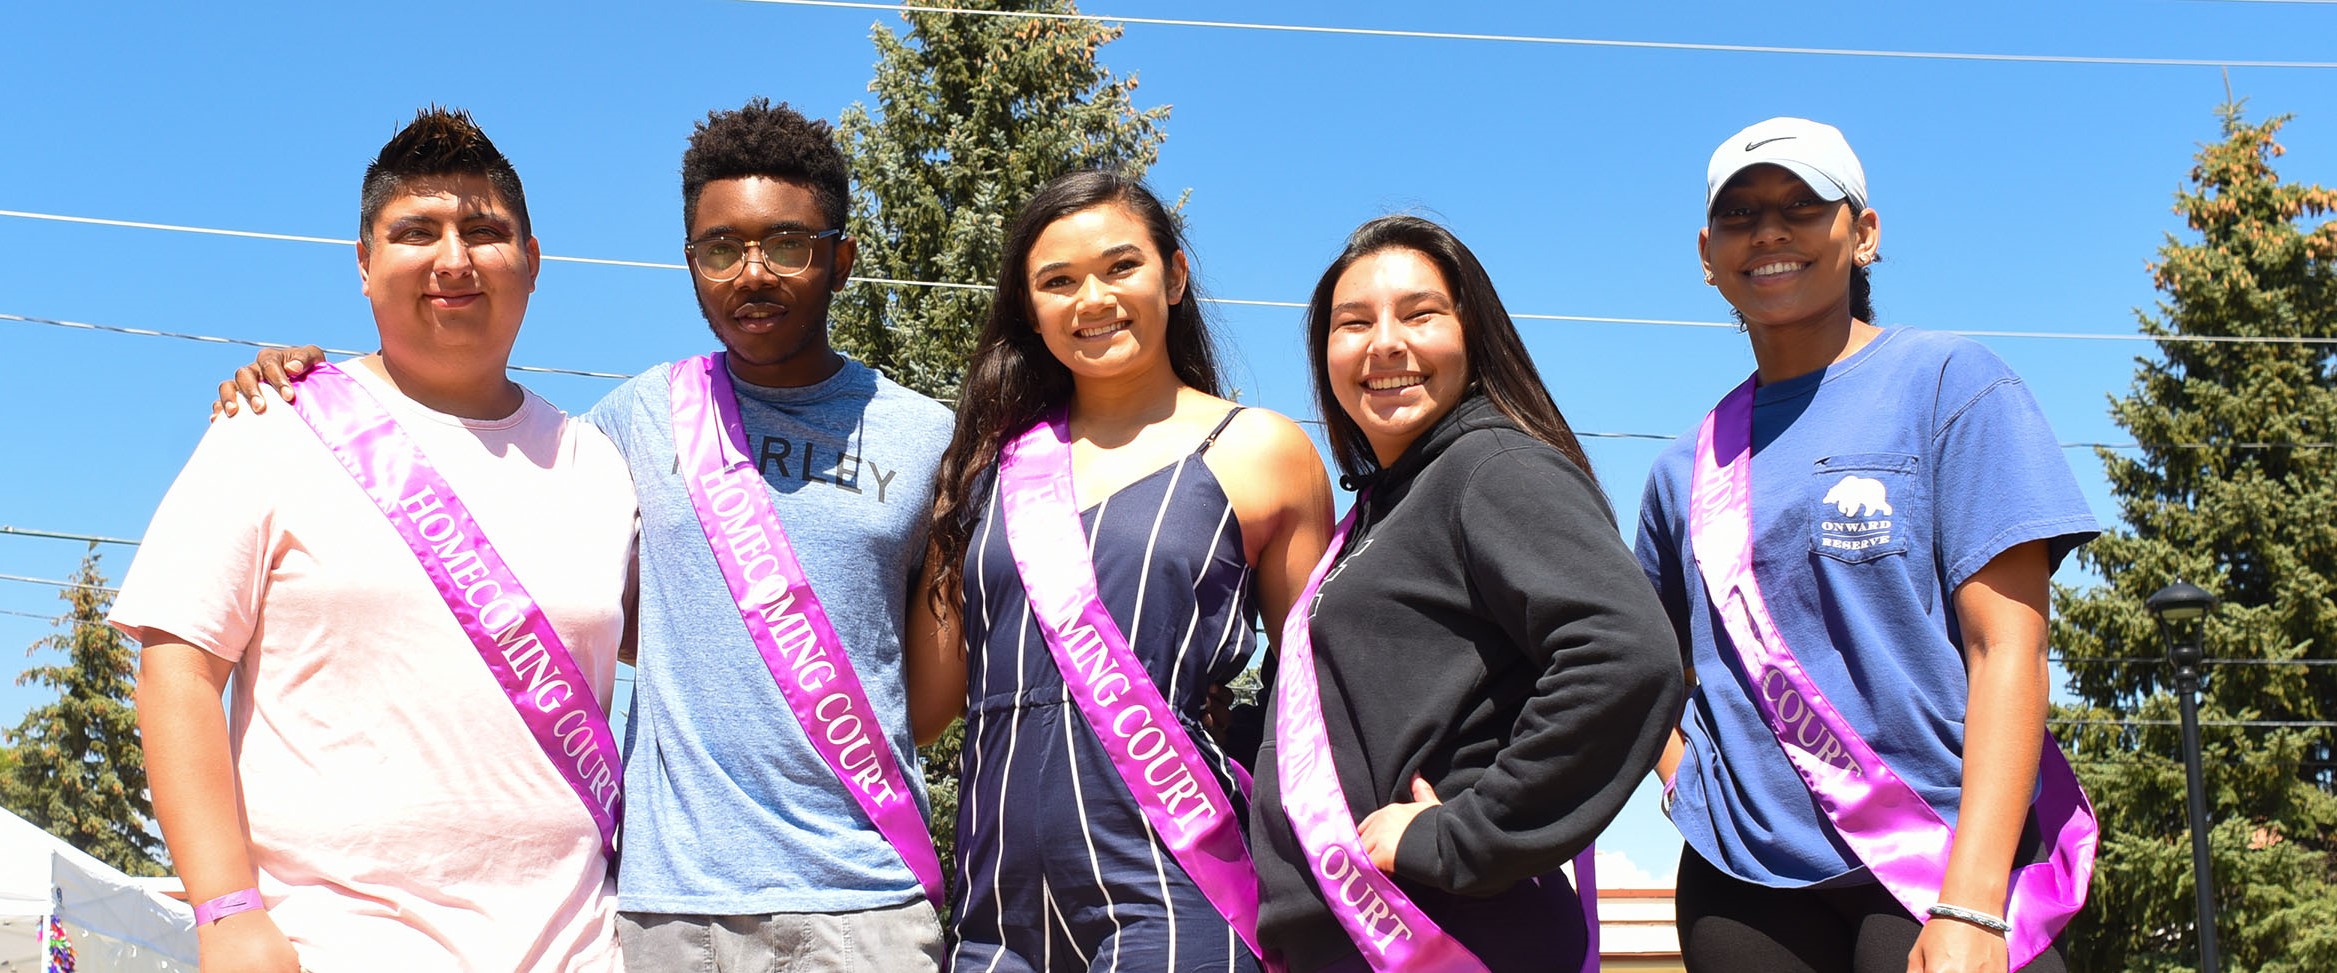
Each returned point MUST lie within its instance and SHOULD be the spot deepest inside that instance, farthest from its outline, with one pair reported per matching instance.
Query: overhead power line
(338, 242)
(287, 237)
(1565, 41)
(20, 579)
(249, 343)
(1228, 301)
(1648, 436)
(11, 611)
(20, 531)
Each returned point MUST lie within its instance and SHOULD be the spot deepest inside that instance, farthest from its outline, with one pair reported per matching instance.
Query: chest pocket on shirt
(1864, 505)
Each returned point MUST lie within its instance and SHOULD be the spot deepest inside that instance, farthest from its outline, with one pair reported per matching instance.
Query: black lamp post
(2182, 610)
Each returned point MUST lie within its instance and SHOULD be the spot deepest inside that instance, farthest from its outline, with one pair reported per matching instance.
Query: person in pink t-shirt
(371, 799)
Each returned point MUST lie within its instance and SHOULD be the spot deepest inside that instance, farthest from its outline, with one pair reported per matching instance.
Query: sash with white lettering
(529, 661)
(1375, 912)
(785, 618)
(1393, 935)
(1154, 755)
(1894, 831)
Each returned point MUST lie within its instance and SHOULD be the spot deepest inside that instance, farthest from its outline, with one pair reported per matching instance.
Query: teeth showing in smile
(1780, 267)
(1100, 330)
(1393, 382)
(758, 318)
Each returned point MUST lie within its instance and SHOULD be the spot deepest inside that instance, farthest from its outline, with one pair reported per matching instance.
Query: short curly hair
(774, 141)
(438, 142)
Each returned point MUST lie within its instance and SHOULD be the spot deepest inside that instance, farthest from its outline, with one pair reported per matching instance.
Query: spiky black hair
(774, 141)
(438, 142)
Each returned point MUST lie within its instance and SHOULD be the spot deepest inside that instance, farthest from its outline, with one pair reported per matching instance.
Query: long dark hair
(1498, 364)
(1013, 379)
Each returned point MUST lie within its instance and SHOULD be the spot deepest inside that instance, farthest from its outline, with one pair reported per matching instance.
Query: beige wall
(1661, 963)
(1636, 932)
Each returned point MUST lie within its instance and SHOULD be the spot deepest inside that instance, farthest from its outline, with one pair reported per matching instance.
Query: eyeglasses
(785, 253)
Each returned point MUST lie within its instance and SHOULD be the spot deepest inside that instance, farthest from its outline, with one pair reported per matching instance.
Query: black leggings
(1727, 924)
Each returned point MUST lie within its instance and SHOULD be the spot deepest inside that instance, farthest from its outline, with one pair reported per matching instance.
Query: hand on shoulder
(274, 368)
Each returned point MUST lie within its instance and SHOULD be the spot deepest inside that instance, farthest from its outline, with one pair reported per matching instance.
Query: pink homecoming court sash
(789, 626)
(530, 663)
(1391, 932)
(1878, 814)
(1154, 755)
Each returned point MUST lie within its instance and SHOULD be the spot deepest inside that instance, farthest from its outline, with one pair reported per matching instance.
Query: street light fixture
(2181, 609)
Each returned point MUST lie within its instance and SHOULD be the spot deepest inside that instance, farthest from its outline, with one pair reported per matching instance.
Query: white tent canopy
(116, 925)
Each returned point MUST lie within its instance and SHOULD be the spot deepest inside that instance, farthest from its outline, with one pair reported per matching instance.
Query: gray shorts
(904, 938)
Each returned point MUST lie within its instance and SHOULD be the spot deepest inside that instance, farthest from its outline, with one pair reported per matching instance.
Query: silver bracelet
(1976, 917)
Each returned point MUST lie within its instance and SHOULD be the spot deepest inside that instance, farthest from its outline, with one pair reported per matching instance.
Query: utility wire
(246, 342)
(59, 584)
(335, 241)
(289, 237)
(1561, 41)
(1646, 436)
(24, 532)
(11, 611)
(1231, 302)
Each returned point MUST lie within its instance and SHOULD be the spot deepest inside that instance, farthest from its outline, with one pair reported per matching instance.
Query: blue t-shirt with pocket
(728, 809)
(1880, 484)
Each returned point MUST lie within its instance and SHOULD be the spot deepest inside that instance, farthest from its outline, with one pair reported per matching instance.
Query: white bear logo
(1857, 496)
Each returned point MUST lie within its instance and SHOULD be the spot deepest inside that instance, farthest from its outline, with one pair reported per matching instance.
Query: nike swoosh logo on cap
(1750, 146)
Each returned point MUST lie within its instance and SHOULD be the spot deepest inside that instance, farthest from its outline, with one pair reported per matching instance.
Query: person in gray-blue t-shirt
(729, 810)
(742, 849)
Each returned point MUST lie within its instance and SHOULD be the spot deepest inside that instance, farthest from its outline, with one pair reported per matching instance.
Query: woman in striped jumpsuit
(1200, 515)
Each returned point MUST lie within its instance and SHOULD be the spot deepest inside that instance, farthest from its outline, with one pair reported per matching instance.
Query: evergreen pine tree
(973, 115)
(2222, 496)
(76, 768)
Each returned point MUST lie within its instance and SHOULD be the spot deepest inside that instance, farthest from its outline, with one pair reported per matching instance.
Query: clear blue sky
(2013, 196)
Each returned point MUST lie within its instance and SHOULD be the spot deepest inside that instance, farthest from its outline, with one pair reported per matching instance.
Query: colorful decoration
(56, 947)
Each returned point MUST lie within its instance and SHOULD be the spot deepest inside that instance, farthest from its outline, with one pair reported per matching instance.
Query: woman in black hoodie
(1495, 676)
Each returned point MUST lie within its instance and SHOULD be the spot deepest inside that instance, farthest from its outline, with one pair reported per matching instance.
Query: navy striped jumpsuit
(1057, 868)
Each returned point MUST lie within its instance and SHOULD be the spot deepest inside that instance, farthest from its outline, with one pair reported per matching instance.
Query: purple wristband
(240, 900)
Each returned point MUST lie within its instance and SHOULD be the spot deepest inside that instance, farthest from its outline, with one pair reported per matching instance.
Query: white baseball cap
(1815, 151)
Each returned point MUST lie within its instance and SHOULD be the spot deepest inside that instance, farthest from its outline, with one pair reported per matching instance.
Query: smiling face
(1781, 255)
(447, 271)
(1100, 292)
(1396, 356)
(776, 328)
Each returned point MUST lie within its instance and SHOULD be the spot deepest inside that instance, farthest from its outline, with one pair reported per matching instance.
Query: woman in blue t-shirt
(1906, 505)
